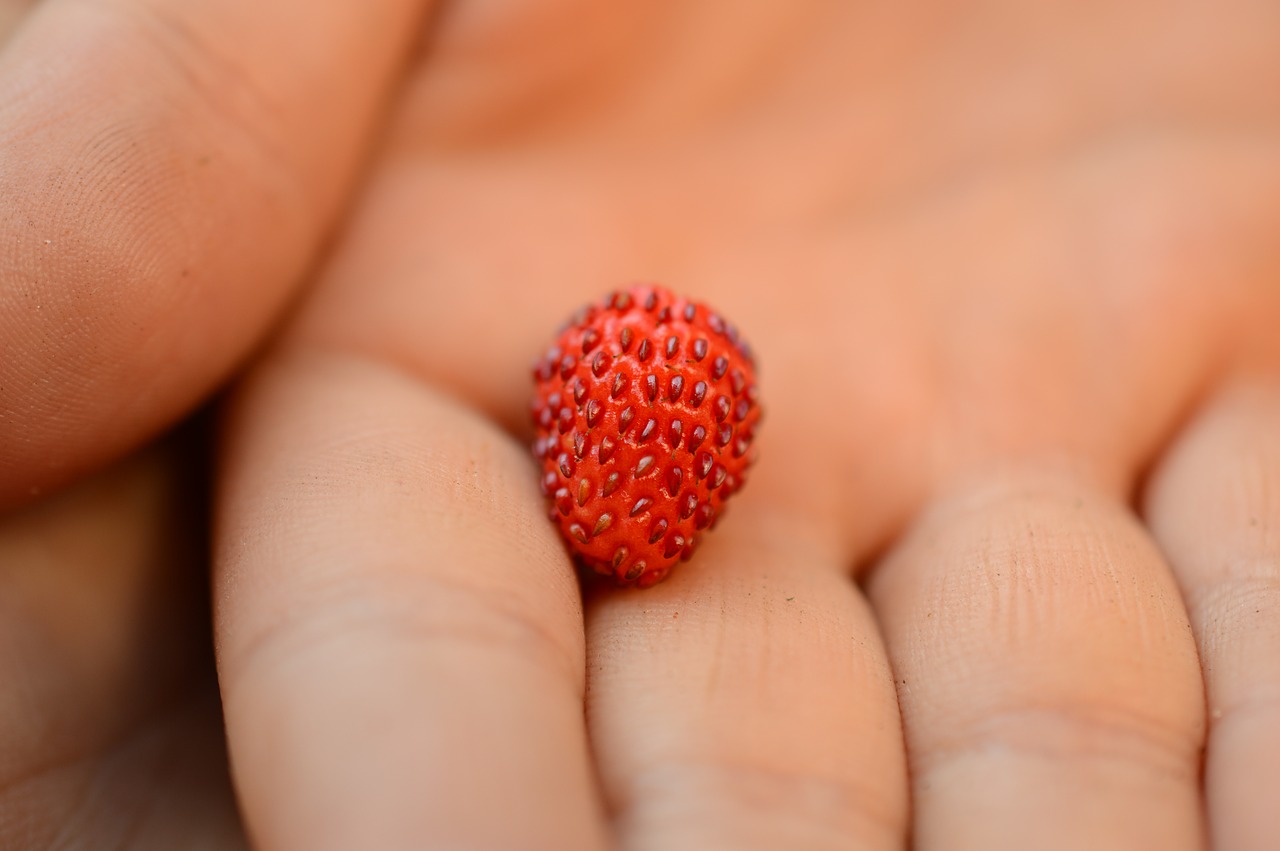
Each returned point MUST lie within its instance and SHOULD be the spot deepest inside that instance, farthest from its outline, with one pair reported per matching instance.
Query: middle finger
(746, 702)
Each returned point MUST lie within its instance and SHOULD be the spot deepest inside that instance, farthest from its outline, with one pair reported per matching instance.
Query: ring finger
(1049, 685)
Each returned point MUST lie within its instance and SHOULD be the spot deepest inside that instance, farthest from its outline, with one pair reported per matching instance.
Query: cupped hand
(1012, 281)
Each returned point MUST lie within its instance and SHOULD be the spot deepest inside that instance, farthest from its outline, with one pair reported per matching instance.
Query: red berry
(645, 410)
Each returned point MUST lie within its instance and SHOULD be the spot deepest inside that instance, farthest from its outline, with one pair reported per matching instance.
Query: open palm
(1012, 280)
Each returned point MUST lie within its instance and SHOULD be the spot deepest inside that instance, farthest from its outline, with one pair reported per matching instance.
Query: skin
(1007, 574)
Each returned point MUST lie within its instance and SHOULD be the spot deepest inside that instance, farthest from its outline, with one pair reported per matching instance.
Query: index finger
(167, 171)
(400, 640)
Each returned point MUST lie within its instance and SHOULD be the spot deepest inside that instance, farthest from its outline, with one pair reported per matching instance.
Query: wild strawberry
(645, 410)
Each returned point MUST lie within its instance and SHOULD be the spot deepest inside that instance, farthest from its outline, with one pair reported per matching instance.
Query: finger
(109, 729)
(746, 702)
(167, 171)
(1215, 507)
(1049, 685)
(400, 632)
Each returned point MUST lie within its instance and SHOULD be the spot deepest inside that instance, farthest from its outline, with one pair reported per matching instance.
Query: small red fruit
(645, 412)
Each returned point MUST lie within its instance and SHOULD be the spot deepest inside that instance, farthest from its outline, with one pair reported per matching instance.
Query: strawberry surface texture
(645, 410)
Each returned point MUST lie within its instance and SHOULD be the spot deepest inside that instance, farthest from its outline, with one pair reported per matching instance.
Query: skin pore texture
(1008, 571)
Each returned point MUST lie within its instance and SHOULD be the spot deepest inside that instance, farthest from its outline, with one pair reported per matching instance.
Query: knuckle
(398, 606)
(1067, 732)
(703, 796)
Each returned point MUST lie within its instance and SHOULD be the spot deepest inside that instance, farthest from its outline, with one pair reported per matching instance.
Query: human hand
(992, 264)
(975, 344)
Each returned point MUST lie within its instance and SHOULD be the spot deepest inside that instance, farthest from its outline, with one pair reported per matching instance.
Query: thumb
(167, 172)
